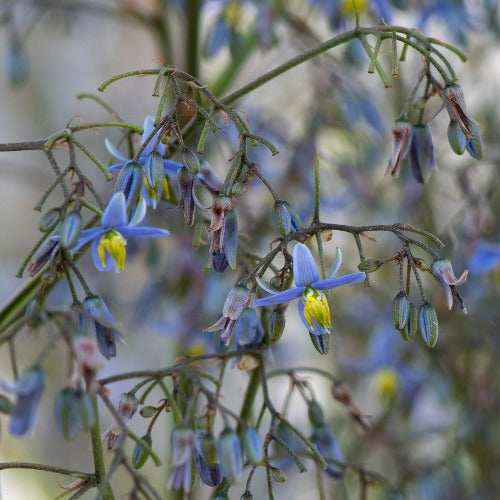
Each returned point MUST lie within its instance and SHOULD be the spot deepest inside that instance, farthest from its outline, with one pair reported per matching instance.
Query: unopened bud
(277, 474)
(369, 265)
(127, 406)
(154, 170)
(129, 181)
(190, 161)
(252, 445)
(321, 342)
(421, 153)
(411, 325)
(236, 302)
(315, 413)
(208, 449)
(140, 454)
(475, 145)
(400, 310)
(230, 455)
(428, 324)
(276, 324)
(456, 137)
(70, 229)
(147, 411)
(49, 220)
(34, 312)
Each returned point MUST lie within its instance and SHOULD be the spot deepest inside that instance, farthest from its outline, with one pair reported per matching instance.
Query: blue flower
(313, 306)
(28, 388)
(150, 153)
(485, 258)
(109, 240)
(183, 441)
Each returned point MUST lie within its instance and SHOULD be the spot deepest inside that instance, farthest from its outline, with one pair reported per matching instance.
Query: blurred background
(433, 428)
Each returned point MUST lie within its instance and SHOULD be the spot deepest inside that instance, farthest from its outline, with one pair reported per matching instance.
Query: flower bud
(70, 229)
(49, 220)
(281, 218)
(219, 262)
(421, 153)
(155, 174)
(456, 137)
(276, 324)
(34, 313)
(322, 436)
(190, 161)
(321, 342)
(401, 132)
(315, 413)
(236, 302)
(147, 411)
(252, 446)
(400, 310)
(277, 474)
(127, 406)
(67, 412)
(140, 454)
(428, 324)
(369, 265)
(129, 181)
(230, 455)
(87, 413)
(475, 145)
(208, 448)
(230, 240)
(411, 325)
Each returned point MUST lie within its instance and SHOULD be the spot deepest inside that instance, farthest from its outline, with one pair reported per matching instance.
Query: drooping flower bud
(322, 436)
(230, 455)
(428, 324)
(276, 324)
(155, 174)
(285, 218)
(315, 413)
(190, 161)
(475, 144)
(252, 445)
(421, 153)
(73, 411)
(277, 474)
(230, 239)
(454, 101)
(400, 310)
(49, 220)
(127, 406)
(411, 325)
(70, 229)
(456, 137)
(186, 182)
(35, 312)
(207, 460)
(141, 454)
(401, 132)
(129, 181)
(369, 265)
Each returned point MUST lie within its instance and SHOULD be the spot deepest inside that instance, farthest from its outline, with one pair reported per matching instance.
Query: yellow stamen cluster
(347, 7)
(113, 243)
(316, 307)
(386, 383)
(232, 13)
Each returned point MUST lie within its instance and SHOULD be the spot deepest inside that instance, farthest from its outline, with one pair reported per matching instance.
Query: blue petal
(170, 166)
(281, 297)
(87, 235)
(113, 151)
(336, 263)
(115, 213)
(139, 212)
(110, 262)
(116, 166)
(147, 127)
(348, 279)
(305, 271)
(143, 232)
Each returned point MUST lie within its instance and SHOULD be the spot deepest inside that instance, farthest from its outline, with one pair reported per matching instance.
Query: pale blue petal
(147, 127)
(143, 232)
(139, 212)
(266, 286)
(116, 166)
(336, 263)
(87, 235)
(113, 151)
(115, 213)
(348, 279)
(170, 166)
(110, 262)
(305, 271)
(281, 297)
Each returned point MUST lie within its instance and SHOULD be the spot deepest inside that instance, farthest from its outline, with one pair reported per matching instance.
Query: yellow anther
(316, 307)
(197, 349)
(113, 243)
(166, 189)
(232, 14)
(347, 7)
(386, 383)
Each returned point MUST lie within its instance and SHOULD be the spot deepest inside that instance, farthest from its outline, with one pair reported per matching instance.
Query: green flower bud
(411, 326)
(315, 413)
(230, 455)
(34, 313)
(428, 324)
(49, 220)
(140, 454)
(154, 170)
(252, 446)
(277, 474)
(70, 229)
(456, 137)
(147, 411)
(369, 265)
(190, 161)
(208, 449)
(67, 412)
(276, 324)
(400, 310)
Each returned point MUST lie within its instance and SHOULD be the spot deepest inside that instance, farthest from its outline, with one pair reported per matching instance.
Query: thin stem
(57, 171)
(107, 174)
(251, 392)
(192, 30)
(46, 468)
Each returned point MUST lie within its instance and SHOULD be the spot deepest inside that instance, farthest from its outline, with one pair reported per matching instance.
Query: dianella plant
(226, 291)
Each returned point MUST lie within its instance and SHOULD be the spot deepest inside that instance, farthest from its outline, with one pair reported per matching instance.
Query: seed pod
(400, 310)
(428, 324)
(456, 137)
(140, 454)
(70, 229)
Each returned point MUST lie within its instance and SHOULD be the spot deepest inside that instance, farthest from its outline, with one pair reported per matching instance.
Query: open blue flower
(109, 239)
(313, 306)
(153, 147)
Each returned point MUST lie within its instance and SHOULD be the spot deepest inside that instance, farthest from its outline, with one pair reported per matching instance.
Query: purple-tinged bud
(315, 413)
(127, 406)
(428, 324)
(230, 239)
(401, 132)
(190, 161)
(421, 153)
(28, 388)
(321, 342)
(70, 229)
(230, 455)
(208, 448)
(454, 101)
(183, 441)
(129, 181)
(219, 261)
(49, 220)
(400, 310)
(475, 144)
(185, 181)
(276, 324)
(97, 308)
(236, 302)
(442, 270)
(141, 454)
(252, 445)
(209, 474)
(456, 137)
(369, 265)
